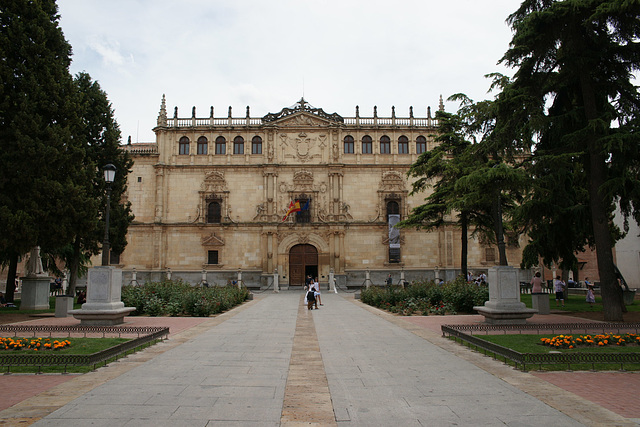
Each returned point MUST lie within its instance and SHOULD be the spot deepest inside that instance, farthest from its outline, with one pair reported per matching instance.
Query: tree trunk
(464, 244)
(11, 278)
(499, 230)
(73, 269)
(612, 298)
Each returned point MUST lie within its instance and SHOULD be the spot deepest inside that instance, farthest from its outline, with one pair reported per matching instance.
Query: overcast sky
(268, 54)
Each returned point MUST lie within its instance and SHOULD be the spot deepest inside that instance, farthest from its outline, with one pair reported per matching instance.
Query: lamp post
(109, 176)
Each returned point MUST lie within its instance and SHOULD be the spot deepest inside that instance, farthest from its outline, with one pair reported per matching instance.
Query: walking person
(591, 298)
(310, 298)
(316, 288)
(559, 286)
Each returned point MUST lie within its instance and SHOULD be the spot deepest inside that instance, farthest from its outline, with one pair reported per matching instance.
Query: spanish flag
(294, 206)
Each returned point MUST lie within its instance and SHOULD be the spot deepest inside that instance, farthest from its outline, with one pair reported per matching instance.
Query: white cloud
(258, 53)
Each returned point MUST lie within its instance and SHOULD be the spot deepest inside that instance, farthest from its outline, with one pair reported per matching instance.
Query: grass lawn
(530, 343)
(577, 303)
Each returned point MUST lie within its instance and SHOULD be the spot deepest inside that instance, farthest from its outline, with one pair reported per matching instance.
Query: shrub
(177, 298)
(425, 297)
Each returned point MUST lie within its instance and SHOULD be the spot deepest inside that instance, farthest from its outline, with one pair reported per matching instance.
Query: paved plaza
(272, 362)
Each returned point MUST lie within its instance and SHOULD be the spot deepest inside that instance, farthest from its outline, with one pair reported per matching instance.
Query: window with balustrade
(367, 145)
(403, 145)
(221, 145)
(183, 146)
(203, 145)
(256, 145)
(348, 144)
(385, 145)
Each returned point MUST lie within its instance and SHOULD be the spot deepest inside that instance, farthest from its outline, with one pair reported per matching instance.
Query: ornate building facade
(210, 195)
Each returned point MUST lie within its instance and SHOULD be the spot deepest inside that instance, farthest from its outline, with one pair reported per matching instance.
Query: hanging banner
(394, 233)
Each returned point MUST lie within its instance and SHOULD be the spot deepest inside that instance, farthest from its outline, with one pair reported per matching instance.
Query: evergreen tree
(38, 156)
(101, 135)
(440, 168)
(580, 56)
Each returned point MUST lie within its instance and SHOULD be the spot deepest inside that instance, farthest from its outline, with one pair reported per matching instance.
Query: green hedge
(176, 298)
(425, 297)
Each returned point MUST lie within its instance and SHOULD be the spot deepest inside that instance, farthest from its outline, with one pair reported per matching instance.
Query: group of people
(480, 279)
(560, 287)
(312, 289)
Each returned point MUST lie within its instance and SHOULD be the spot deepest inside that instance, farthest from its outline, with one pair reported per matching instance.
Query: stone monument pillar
(35, 284)
(103, 306)
(504, 305)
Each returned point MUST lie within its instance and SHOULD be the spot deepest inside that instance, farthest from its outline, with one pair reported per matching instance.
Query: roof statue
(301, 106)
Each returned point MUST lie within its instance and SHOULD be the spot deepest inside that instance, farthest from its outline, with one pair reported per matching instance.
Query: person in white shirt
(316, 288)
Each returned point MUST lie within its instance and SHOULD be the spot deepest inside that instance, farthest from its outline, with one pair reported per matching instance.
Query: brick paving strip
(307, 400)
(34, 408)
(578, 408)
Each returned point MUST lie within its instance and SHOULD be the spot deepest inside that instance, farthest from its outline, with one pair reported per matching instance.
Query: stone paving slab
(380, 370)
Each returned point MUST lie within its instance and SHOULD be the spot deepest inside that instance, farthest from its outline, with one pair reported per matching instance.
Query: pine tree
(580, 56)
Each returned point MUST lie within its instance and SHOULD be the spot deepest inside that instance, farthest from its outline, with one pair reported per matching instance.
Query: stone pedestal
(540, 302)
(64, 304)
(103, 306)
(504, 305)
(35, 292)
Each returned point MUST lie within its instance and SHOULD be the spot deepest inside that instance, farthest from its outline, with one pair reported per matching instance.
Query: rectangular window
(304, 216)
(403, 148)
(348, 147)
(212, 257)
(394, 255)
(221, 148)
(202, 148)
(366, 148)
(184, 148)
(385, 145)
(238, 148)
(256, 147)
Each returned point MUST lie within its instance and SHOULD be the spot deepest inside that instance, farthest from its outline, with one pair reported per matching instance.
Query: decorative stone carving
(212, 240)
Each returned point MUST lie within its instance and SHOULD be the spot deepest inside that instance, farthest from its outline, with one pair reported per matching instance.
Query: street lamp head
(109, 173)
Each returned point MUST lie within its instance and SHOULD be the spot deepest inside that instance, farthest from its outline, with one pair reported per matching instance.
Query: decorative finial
(375, 111)
(162, 117)
(193, 112)
(411, 111)
(428, 112)
(175, 113)
(357, 111)
(211, 112)
(229, 111)
(393, 111)
(441, 106)
(248, 112)
(129, 140)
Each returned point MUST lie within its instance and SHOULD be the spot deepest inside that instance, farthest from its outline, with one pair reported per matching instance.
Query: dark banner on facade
(394, 233)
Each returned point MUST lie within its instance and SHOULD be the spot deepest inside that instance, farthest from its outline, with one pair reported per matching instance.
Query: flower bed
(601, 340)
(176, 298)
(32, 344)
(426, 298)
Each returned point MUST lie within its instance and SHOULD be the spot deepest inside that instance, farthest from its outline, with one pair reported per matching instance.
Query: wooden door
(300, 257)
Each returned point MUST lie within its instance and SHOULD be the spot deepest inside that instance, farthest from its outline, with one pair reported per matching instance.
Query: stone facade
(211, 193)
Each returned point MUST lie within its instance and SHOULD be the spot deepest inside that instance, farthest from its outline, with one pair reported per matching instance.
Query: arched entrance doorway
(303, 261)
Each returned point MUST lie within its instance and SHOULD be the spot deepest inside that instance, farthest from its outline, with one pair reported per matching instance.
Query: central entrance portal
(303, 261)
